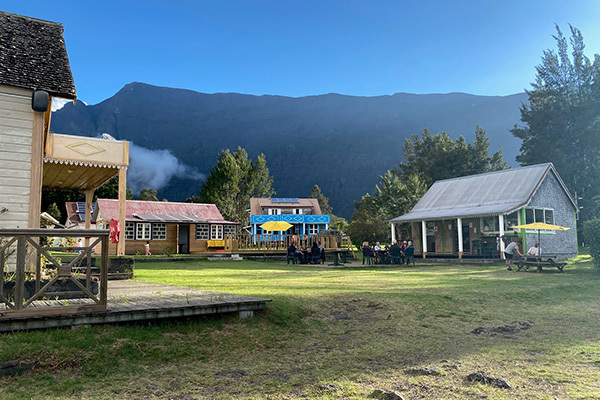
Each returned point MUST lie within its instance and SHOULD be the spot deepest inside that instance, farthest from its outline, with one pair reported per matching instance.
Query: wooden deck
(130, 301)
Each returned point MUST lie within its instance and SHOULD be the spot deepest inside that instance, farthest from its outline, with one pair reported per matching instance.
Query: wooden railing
(274, 242)
(21, 259)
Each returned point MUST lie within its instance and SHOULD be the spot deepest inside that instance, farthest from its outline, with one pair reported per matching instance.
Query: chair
(315, 256)
(367, 256)
(476, 247)
(396, 255)
(409, 253)
(291, 255)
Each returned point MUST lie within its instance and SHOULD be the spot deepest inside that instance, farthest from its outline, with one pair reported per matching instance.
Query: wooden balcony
(80, 163)
(32, 279)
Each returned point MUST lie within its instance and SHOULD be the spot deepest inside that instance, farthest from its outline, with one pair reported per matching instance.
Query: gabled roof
(492, 193)
(76, 212)
(161, 211)
(33, 55)
(256, 203)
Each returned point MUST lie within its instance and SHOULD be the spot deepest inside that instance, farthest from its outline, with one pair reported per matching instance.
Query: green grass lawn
(356, 329)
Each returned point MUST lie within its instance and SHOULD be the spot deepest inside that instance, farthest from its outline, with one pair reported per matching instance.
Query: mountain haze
(341, 143)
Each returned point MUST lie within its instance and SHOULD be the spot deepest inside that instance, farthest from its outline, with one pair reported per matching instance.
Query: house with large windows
(178, 228)
(466, 216)
(303, 214)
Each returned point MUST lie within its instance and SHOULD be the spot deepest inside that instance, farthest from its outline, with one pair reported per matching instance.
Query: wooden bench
(216, 243)
(544, 261)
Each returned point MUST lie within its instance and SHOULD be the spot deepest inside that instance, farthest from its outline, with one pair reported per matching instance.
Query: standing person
(147, 246)
(509, 251)
(403, 248)
(366, 253)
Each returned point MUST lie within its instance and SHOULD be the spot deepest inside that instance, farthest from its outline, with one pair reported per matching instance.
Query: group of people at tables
(394, 254)
(303, 255)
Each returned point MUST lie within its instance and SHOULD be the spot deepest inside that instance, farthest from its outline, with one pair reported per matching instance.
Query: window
(511, 220)
(313, 229)
(529, 216)
(216, 232)
(142, 231)
(430, 228)
(230, 230)
(159, 231)
(490, 224)
(202, 232)
(297, 211)
(549, 216)
(129, 230)
(273, 211)
(539, 215)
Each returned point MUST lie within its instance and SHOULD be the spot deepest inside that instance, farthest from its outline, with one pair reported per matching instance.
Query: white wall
(16, 127)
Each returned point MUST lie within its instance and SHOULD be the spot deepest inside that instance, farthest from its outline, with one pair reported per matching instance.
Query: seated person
(535, 250)
(291, 252)
(315, 253)
(322, 252)
(395, 252)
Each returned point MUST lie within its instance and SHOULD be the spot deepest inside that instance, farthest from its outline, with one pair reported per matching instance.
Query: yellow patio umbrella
(539, 226)
(276, 226)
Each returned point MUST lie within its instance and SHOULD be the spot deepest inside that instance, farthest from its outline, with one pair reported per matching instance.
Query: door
(183, 239)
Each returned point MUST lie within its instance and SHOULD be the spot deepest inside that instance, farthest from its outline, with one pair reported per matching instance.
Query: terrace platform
(132, 301)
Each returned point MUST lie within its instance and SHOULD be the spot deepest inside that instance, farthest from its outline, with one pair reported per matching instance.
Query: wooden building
(468, 215)
(34, 69)
(303, 214)
(177, 228)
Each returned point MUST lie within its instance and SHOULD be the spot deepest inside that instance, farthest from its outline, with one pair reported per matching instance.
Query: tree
(110, 190)
(366, 224)
(393, 197)
(323, 201)
(430, 158)
(561, 123)
(233, 181)
(148, 195)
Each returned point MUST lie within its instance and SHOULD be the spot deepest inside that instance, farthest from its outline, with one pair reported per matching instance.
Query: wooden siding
(16, 128)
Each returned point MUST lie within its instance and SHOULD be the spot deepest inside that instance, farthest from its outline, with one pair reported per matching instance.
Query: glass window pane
(549, 216)
(490, 224)
(539, 215)
(511, 220)
(529, 216)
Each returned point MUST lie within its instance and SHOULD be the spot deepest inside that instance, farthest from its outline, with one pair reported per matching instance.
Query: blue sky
(298, 48)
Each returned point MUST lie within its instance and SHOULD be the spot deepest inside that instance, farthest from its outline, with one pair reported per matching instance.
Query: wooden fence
(274, 242)
(30, 273)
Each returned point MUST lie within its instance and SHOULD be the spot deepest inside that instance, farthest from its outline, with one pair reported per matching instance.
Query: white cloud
(155, 168)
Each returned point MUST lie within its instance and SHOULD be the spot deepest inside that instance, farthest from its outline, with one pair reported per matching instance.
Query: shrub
(169, 250)
(591, 231)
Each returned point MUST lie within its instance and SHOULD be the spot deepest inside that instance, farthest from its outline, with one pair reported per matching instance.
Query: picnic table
(336, 254)
(539, 262)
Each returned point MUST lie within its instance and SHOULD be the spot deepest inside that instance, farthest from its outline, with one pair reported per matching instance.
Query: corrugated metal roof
(484, 194)
(161, 211)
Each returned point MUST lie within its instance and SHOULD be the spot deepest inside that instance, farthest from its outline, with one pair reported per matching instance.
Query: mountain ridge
(343, 143)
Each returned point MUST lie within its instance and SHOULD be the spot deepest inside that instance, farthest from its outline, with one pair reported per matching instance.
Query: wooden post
(460, 238)
(122, 210)
(501, 228)
(20, 272)
(104, 271)
(89, 196)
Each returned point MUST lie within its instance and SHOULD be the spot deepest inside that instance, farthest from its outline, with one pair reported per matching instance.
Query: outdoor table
(540, 261)
(384, 257)
(336, 254)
